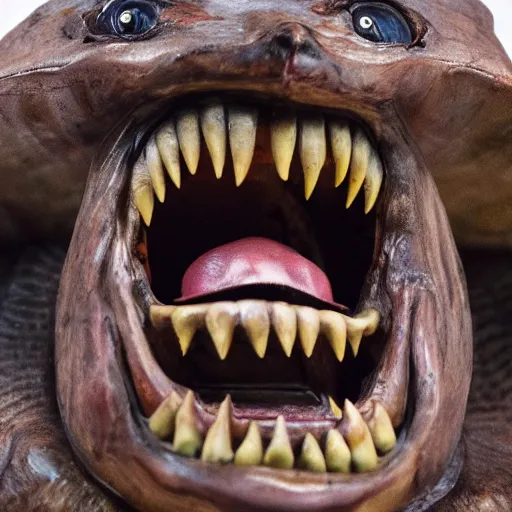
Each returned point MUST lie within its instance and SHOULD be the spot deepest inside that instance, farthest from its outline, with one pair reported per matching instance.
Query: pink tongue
(254, 261)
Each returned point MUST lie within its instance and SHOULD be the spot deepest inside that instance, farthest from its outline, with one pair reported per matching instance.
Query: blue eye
(381, 23)
(127, 18)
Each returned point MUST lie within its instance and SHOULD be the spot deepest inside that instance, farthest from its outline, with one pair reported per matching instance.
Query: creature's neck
(37, 470)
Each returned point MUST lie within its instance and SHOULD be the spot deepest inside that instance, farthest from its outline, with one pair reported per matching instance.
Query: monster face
(262, 306)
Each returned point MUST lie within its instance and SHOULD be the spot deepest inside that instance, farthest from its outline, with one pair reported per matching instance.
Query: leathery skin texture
(83, 364)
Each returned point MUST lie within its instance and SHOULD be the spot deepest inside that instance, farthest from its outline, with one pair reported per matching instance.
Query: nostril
(295, 38)
(285, 42)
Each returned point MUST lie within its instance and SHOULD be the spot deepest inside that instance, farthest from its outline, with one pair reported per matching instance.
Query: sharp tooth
(373, 182)
(313, 152)
(144, 201)
(243, 124)
(187, 438)
(284, 320)
(311, 457)
(161, 422)
(283, 134)
(250, 452)
(168, 145)
(355, 335)
(279, 453)
(309, 328)
(142, 190)
(189, 136)
(213, 123)
(186, 320)
(256, 322)
(361, 150)
(359, 439)
(341, 142)
(335, 329)
(335, 408)
(337, 453)
(363, 324)
(217, 445)
(381, 429)
(156, 170)
(221, 320)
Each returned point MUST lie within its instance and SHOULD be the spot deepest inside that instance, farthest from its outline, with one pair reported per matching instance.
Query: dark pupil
(387, 25)
(128, 20)
(133, 21)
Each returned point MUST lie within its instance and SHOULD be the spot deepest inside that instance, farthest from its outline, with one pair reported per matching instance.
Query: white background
(15, 11)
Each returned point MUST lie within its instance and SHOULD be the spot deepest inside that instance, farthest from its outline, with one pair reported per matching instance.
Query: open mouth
(254, 304)
(243, 338)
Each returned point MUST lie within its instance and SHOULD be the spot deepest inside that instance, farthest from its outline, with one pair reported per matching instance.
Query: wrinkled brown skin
(445, 109)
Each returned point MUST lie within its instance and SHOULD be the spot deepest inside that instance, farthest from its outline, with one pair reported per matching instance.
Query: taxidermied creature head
(262, 306)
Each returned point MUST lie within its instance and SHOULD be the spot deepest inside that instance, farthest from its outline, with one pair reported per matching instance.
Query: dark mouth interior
(266, 385)
(207, 213)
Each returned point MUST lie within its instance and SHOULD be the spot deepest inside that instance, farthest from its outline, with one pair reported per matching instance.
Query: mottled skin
(451, 107)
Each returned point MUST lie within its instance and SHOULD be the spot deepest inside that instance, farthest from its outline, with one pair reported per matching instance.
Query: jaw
(109, 378)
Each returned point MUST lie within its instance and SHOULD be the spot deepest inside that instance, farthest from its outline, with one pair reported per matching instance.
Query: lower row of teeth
(258, 318)
(354, 446)
(352, 152)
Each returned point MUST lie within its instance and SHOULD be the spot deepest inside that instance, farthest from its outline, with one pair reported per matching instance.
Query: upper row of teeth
(353, 446)
(352, 152)
(258, 317)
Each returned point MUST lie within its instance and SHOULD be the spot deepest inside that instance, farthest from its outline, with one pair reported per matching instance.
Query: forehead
(472, 9)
